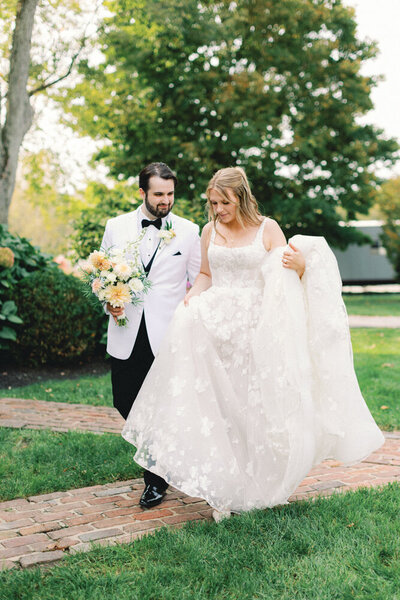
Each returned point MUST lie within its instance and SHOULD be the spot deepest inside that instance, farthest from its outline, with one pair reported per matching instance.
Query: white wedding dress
(254, 382)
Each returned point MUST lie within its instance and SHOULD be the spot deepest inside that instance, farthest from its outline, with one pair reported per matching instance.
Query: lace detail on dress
(237, 267)
(234, 409)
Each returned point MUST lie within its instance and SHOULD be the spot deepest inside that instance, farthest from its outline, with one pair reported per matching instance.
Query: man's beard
(156, 211)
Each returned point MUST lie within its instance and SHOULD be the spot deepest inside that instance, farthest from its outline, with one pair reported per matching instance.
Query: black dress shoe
(151, 496)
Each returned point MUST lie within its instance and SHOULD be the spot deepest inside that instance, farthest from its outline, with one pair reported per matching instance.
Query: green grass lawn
(39, 461)
(94, 390)
(377, 363)
(373, 304)
(376, 357)
(341, 548)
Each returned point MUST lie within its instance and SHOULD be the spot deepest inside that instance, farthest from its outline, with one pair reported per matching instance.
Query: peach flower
(117, 294)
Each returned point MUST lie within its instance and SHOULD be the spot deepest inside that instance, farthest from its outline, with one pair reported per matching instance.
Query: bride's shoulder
(207, 231)
(270, 222)
(273, 235)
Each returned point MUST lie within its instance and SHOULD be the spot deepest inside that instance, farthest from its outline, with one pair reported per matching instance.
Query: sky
(377, 20)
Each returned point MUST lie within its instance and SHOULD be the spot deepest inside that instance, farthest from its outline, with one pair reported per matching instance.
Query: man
(169, 267)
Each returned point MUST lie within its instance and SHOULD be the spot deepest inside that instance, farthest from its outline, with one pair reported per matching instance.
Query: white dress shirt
(151, 239)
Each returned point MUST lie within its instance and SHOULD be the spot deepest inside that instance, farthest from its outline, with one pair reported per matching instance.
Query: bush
(59, 324)
(27, 258)
(18, 258)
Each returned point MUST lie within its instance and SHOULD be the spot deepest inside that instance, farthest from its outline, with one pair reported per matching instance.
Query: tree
(30, 73)
(39, 211)
(272, 86)
(389, 204)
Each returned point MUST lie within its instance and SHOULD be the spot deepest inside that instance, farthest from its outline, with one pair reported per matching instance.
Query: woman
(254, 383)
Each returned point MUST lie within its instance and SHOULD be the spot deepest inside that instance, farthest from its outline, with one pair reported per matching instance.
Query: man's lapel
(131, 228)
(163, 248)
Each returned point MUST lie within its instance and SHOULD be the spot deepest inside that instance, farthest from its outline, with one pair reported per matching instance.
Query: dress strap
(260, 231)
(213, 232)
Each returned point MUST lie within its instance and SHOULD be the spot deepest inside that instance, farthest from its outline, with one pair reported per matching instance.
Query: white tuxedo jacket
(173, 265)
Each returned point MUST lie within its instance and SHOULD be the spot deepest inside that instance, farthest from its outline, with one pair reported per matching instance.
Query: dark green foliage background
(59, 324)
(27, 258)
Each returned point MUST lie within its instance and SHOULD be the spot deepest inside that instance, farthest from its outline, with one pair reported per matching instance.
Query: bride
(254, 383)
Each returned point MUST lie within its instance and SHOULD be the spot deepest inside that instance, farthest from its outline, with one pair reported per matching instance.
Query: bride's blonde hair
(234, 179)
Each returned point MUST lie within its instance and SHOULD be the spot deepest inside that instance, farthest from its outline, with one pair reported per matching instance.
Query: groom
(169, 266)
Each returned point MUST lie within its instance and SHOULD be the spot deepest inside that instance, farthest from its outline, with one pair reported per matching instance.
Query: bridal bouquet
(116, 276)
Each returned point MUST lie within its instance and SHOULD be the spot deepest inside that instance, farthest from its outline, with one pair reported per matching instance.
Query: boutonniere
(166, 234)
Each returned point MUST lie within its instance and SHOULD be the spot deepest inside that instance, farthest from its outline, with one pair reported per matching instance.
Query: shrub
(8, 313)
(27, 258)
(18, 258)
(59, 324)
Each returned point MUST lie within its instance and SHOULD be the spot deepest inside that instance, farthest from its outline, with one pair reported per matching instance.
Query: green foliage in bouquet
(18, 258)
(59, 325)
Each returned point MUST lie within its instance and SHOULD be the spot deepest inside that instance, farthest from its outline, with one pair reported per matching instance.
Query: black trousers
(127, 377)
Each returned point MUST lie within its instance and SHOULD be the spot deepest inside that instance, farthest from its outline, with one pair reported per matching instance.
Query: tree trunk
(19, 113)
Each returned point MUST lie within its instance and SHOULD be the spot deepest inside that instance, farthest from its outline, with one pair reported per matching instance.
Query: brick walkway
(42, 529)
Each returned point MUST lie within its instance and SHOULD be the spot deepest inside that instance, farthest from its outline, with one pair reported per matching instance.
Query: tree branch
(44, 86)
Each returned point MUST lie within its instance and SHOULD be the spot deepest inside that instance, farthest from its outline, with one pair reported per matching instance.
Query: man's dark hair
(159, 169)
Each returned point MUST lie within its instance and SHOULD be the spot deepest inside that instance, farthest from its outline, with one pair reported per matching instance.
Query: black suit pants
(127, 377)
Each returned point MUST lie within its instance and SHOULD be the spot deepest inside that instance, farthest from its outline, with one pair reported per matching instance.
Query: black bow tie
(156, 223)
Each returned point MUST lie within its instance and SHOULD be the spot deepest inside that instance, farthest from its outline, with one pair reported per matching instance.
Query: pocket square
(177, 253)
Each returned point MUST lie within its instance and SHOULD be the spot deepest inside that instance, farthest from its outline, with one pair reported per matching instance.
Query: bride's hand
(189, 295)
(294, 259)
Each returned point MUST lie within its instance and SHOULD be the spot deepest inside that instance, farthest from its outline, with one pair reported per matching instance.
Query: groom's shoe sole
(151, 496)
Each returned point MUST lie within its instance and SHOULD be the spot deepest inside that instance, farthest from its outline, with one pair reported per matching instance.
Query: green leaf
(15, 319)
(8, 308)
(6, 333)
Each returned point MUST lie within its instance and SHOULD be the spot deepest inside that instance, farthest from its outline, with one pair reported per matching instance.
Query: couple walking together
(253, 381)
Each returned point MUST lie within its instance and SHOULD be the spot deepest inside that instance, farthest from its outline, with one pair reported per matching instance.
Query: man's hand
(115, 312)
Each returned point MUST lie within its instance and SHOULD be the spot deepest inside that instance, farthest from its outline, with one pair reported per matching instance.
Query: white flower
(123, 270)
(166, 235)
(117, 254)
(177, 385)
(206, 426)
(200, 385)
(102, 295)
(111, 276)
(135, 285)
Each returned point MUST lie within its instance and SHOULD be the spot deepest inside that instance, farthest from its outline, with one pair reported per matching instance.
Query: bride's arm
(273, 238)
(203, 280)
